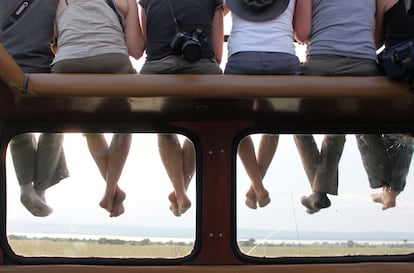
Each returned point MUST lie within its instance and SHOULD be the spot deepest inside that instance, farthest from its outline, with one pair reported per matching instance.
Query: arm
(217, 33)
(379, 24)
(144, 25)
(302, 21)
(133, 34)
(226, 9)
(54, 45)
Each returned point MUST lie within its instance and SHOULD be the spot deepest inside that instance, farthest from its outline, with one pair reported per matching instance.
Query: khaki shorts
(333, 65)
(113, 63)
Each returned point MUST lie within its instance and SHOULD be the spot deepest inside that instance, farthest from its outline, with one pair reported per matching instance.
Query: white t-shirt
(275, 35)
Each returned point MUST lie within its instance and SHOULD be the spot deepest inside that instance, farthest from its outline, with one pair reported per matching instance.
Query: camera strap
(173, 16)
(112, 5)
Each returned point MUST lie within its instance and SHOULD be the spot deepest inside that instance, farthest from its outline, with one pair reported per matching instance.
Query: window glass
(352, 225)
(79, 227)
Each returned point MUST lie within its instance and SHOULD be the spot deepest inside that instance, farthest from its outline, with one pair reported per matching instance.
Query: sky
(75, 200)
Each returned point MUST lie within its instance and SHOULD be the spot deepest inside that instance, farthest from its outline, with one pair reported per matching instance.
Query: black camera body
(188, 45)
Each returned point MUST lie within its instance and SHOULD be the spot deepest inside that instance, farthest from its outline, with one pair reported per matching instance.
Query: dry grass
(66, 248)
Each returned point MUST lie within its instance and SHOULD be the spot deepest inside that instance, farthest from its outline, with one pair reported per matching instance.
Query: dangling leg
(310, 157)
(110, 162)
(48, 167)
(399, 150)
(23, 151)
(256, 168)
(118, 153)
(378, 166)
(309, 154)
(267, 149)
(326, 176)
(172, 156)
(247, 156)
(189, 170)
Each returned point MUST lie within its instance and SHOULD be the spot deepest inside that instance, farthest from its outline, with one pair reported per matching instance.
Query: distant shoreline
(191, 240)
(189, 234)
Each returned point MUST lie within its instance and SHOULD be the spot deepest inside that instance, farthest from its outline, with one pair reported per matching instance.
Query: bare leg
(256, 167)
(248, 158)
(266, 152)
(172, 156)
(387, 197)
(189, 170)
(110, 162)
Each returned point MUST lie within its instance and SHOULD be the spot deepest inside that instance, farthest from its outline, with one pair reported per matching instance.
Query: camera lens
(191, 51)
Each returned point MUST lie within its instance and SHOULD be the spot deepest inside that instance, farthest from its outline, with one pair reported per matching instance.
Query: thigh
(262, 63)
(203, 66)
(106, 63)
(243, 63)
(167, 65)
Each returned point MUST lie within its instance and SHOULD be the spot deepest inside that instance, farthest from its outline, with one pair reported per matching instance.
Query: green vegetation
(103, 247)
(116, 248)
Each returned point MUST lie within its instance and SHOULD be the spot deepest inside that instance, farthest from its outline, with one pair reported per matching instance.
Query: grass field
(50, 248)
(92, 248)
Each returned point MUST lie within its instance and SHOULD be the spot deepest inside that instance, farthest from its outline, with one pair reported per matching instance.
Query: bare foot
(35, 204)
(387, 198)
(114, 205)
(254, 198)
(176, 207)
(251, 200)
(263, 199)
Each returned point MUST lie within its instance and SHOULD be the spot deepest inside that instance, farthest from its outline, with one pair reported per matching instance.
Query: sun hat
(257, 10)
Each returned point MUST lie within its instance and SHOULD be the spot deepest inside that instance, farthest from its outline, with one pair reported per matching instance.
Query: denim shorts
(262, 63)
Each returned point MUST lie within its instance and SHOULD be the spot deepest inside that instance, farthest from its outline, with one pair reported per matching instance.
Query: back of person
(342, 29)
(161, 27)
(274, 35)
(26, 30)
(94, 37)
(164, 20)
(387, 157)
(261, 38)
(261, 43)
(31, 52)
(340, 43)
(89, 29)
(168, 26)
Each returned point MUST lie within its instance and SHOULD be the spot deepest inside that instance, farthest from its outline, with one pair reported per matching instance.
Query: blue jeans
(262, 63)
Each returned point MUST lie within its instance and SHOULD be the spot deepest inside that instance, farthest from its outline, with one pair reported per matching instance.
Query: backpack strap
(112, 5)
(18, 12)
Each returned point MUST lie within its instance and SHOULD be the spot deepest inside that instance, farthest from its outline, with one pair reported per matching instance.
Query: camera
(188, 45)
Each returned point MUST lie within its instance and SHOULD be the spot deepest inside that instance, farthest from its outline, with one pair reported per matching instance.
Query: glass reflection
(78, 223)
(328, 195)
